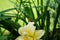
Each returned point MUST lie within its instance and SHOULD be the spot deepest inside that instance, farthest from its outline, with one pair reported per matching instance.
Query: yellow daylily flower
(28, 32)
(24, 38)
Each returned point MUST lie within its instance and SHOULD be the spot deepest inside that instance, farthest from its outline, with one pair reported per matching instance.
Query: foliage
(39, 11)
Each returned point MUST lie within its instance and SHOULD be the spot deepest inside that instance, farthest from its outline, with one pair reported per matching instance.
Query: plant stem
(47, 26)
(42, 26)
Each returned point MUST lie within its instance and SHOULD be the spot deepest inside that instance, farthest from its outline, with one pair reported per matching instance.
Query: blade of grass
(38, 14)
(47, 26)
(23, 20)
(42, 26)
(7, 10)
(18, 11)
(55, 21)
(45, 11)
(43, 20)
(10, 26)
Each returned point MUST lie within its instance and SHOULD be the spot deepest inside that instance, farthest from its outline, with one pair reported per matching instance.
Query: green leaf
(2, 12)
(28, 11)
(3, 37)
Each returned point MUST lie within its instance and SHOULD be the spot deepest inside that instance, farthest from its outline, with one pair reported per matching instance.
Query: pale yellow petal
(19, 38)
(39, 34)
(24, 38)
(27, 38)
(21, 30)
(28, 29)
(31, 29)
(31, 23)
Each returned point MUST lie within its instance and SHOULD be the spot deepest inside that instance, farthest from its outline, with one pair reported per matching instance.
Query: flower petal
(27, 30)
(24, 38)
(39, 34)
(31, 23)
(27, 38)
(19, 38)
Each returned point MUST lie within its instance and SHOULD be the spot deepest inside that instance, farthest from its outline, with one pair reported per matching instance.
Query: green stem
(42, 26)
(47, 25)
